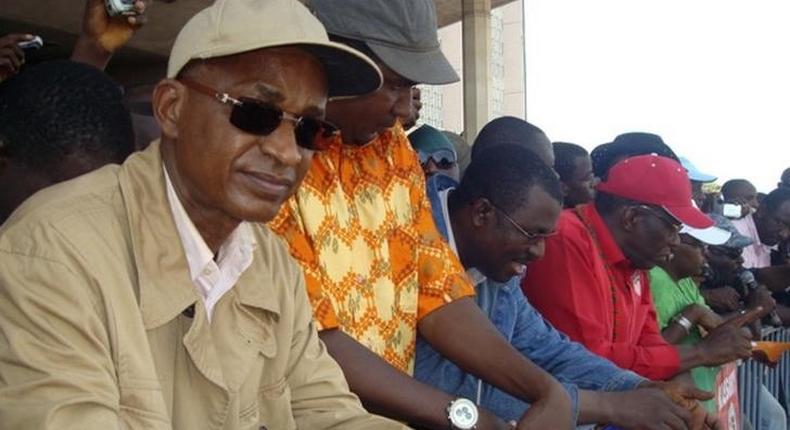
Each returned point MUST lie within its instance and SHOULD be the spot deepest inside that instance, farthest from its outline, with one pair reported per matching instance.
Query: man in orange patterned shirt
(377, 270)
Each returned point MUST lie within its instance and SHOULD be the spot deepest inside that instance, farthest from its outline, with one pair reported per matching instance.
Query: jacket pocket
(272, 410)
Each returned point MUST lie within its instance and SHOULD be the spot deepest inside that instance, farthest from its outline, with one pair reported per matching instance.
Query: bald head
(509, 130)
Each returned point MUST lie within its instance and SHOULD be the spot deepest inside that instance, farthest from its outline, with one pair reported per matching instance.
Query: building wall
(443, 105)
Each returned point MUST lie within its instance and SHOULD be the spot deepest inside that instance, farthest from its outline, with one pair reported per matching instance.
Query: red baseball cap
(658, 181)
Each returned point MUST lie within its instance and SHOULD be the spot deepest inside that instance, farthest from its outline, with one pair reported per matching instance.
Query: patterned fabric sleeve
(290, 229)
(441, 277)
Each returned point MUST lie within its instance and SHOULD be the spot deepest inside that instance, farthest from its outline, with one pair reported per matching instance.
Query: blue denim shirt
(510, 312)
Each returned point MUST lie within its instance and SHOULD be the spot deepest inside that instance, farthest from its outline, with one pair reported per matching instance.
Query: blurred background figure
(574, 166)
(698, 179)
(437, 154)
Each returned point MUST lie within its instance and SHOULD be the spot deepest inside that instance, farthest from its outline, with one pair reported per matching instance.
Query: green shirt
(670, 298)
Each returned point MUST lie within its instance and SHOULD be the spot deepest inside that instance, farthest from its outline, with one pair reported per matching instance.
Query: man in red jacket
(592, 283)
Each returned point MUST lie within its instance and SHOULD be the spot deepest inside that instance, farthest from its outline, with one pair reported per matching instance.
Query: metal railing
(752, 375)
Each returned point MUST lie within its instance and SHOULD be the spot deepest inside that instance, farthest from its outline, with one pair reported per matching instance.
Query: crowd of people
(273, 243)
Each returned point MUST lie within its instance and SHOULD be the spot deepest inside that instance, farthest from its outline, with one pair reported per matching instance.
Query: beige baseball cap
(234, 26)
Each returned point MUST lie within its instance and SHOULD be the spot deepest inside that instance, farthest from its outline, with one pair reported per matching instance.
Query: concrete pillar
(476, 27)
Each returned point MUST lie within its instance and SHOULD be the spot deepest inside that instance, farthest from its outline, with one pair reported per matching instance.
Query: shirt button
(207, 271)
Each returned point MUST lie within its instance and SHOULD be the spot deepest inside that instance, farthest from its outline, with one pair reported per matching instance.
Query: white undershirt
(212, 279)
(475, 275)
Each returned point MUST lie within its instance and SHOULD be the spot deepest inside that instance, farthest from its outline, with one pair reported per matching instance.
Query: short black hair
(628, 145)
(728, 189)
(565, 156)
(61, 108)
(775, 199)
(506, 130)
(504, 174)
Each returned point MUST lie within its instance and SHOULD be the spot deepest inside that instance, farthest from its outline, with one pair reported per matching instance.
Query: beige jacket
(93, 335)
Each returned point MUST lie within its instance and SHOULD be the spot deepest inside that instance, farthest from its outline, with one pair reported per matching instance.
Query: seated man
(592, 284)
(151, 295)
(573, 164)
(680, 308)
(436, 152)
(496, 221)
(377, 271)
(58, 120)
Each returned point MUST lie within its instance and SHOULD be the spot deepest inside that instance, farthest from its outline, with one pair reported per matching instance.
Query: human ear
(628, 218)
(482, 212)
(168, 101)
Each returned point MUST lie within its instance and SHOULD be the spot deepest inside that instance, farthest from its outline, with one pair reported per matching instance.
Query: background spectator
(58, 120)
(573, 164)
(698, 178)
(436, 153)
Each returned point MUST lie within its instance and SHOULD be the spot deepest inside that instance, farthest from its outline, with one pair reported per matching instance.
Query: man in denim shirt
(495, 220)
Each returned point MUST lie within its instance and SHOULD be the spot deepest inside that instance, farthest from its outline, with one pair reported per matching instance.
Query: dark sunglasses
(443, 158)
(261, 118)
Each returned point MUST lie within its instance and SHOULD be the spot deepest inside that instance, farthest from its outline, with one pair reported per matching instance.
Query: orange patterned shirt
(361, 227)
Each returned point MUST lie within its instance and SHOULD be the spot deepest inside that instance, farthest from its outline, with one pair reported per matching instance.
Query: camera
(119, 7)
(34, 43)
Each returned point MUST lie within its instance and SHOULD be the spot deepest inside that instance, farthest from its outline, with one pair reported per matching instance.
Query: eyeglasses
(261, 118)
(443, 158)
(673, 224)
(531, 237)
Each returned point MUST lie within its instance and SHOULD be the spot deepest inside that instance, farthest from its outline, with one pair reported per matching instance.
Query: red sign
(727, 397)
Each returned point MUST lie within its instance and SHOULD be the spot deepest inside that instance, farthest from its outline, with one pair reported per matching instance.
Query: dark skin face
(773, 227)
(688, 258)
(744, 194)
(725, 261)
(223, 175)
(580, 188)
(19, 181)
(490, 243)
(362, 119)
(647, 235)
(696, 193)
(431, 168)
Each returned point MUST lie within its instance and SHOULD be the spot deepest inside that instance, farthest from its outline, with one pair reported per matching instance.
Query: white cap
(711, 235)
(234, 26)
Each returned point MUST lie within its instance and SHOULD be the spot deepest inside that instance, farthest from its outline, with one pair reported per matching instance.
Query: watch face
(463, 414)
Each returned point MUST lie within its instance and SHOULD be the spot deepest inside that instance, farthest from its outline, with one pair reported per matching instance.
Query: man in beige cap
(150, 295)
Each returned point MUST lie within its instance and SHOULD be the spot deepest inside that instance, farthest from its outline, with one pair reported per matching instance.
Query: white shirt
(212, 278)
(756, 255)
(475, 275)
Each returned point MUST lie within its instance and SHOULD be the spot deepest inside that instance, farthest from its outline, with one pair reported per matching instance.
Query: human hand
(728, 342)
(723, 299)
(552, 411)
(12, 57)
(659, 405)
(761, 297)
(416, 106)
(110, 33)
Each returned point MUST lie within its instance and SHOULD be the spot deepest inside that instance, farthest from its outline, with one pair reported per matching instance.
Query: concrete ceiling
(58, 23)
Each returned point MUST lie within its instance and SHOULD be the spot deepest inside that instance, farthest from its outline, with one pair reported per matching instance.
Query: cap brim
(711, 236)
(701, 177)
(349, 72)
(690, 216)
(430, 67)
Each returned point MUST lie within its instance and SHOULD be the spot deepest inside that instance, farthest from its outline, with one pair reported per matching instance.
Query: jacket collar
(165, 287)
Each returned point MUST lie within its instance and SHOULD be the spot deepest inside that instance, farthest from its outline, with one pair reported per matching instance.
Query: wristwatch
(462, 414)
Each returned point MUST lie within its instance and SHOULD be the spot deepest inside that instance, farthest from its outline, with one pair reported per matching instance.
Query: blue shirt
(510, 312)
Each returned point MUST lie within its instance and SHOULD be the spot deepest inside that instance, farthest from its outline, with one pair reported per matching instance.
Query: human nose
(402, 106)
(281, 144)
(536, 249)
